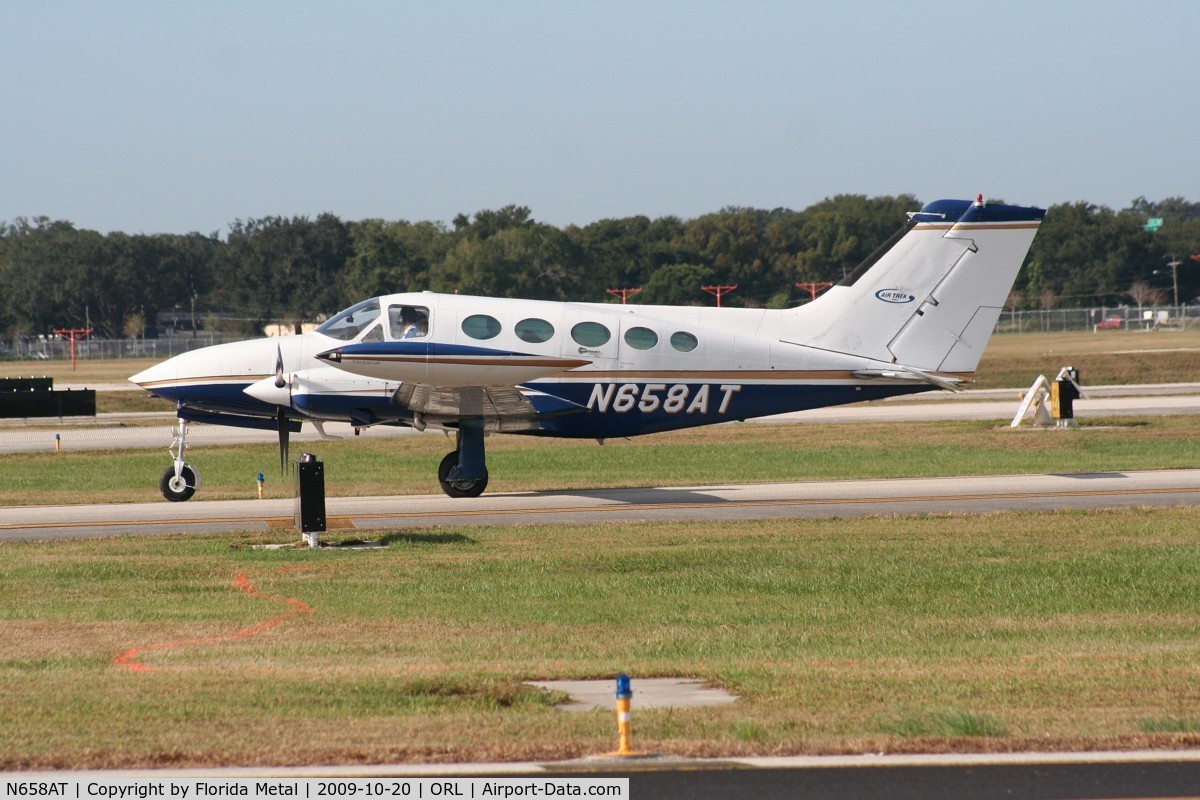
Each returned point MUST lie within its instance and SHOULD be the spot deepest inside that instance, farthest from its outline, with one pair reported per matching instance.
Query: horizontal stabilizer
(899, 372)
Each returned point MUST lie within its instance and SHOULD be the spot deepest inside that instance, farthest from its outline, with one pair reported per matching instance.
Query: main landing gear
(180, 481)
(463, 473)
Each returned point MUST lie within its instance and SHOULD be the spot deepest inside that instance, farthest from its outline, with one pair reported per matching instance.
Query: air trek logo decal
(895, 296)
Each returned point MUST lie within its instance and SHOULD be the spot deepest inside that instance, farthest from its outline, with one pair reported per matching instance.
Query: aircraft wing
(438, 364)
(503, 408)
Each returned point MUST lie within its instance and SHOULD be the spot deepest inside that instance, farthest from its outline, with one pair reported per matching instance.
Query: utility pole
(1174, 265)
(73, 334)
(812, 287)
(624, 294)
(719, 291)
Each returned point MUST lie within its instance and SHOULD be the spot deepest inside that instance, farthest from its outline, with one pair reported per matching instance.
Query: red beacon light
(979, 201)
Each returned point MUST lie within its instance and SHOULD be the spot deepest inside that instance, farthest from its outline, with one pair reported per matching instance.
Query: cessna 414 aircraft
(914, 316)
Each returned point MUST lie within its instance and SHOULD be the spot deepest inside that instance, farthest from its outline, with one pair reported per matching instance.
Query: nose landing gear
(181, 480)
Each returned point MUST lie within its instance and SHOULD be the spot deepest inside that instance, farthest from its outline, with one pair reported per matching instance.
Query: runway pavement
(1030, 776)
(803, 500)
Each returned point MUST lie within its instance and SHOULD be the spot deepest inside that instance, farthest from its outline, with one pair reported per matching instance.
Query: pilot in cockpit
(414, 323)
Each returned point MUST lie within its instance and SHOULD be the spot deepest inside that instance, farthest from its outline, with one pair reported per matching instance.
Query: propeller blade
(282, 424)
(279, 380)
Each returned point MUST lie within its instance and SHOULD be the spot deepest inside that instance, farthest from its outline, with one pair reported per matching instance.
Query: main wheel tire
(178, 489)
(459, 488)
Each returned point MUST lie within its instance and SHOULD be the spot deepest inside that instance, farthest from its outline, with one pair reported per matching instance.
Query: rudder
(931, 299)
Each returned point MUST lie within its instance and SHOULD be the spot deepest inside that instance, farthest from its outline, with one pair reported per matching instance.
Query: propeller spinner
(276, 390)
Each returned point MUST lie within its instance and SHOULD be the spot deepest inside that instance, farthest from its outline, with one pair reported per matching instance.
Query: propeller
(281, 422)
(280, 381)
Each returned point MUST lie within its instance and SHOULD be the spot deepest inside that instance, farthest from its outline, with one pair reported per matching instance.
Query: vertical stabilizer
(930, 296)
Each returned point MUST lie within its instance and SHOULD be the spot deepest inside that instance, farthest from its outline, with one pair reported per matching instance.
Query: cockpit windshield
(347, 324)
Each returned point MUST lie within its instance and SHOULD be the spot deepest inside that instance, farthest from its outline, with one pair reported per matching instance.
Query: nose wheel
(178, 488)
(180, 481)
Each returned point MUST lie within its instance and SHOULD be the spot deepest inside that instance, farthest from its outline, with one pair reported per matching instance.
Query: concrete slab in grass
(647, 693)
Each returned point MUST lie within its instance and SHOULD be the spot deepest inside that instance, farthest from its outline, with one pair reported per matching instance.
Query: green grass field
(999, 632)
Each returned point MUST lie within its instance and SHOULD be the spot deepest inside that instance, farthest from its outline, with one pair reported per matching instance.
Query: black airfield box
(1064, 391)
(21, 398)
(310, 494)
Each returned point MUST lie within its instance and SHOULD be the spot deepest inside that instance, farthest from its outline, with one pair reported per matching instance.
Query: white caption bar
(314, 788)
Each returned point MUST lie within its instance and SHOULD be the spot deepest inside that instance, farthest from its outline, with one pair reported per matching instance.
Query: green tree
(1087, 255)
(393, 257)
(624, 253)
(506, 253)
(732, 243)
(285, 270)
(677, 285)
(838, 233)
(534, 261)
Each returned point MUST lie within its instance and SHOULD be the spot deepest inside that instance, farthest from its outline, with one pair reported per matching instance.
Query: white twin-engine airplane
(914, 316)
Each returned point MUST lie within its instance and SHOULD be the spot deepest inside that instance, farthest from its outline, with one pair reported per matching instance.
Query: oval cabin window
(684, 342)
(641, 338)
(534, 331)
(481, 326)
(590, 334)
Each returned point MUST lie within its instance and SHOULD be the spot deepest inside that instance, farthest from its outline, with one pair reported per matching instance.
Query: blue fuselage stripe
(614, 408)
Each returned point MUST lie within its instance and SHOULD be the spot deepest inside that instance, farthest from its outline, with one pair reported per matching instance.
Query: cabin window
(590, 334)
(641, 338)
(408, 322)
(374, 335)
(345, 325)
(684, 342)
(481, 326)
(534, 331)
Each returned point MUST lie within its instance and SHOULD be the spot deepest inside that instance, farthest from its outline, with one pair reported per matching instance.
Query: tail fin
(930, 296)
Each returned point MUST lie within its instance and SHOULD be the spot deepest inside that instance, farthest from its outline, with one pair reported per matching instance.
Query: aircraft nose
(157, 375)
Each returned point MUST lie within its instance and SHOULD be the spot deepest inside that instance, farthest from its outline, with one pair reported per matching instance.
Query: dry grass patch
(1103, 358)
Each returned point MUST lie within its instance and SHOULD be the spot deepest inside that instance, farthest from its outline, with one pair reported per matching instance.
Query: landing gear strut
(180, 481)
(463, 473)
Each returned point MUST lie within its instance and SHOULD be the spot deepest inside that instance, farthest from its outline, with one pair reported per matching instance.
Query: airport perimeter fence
(52, 348)
(1053, 320)
(1099, 319)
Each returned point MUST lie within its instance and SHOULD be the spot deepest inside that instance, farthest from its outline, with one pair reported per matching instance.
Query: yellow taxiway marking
(346, 521)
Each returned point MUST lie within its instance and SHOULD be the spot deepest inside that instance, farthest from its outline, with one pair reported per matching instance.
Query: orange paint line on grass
(130, 659)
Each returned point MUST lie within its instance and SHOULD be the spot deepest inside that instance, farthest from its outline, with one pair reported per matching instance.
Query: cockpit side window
(345, 325)
(408, 322)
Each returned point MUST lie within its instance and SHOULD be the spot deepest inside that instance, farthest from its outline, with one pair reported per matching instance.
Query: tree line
(291, 270)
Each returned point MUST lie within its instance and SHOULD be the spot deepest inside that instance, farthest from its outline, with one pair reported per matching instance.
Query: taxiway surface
(803, 500)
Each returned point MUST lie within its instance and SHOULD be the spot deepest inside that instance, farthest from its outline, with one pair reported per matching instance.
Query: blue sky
(176, 117)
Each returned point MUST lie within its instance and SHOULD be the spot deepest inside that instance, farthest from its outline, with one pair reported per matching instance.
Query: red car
(1110, 322)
